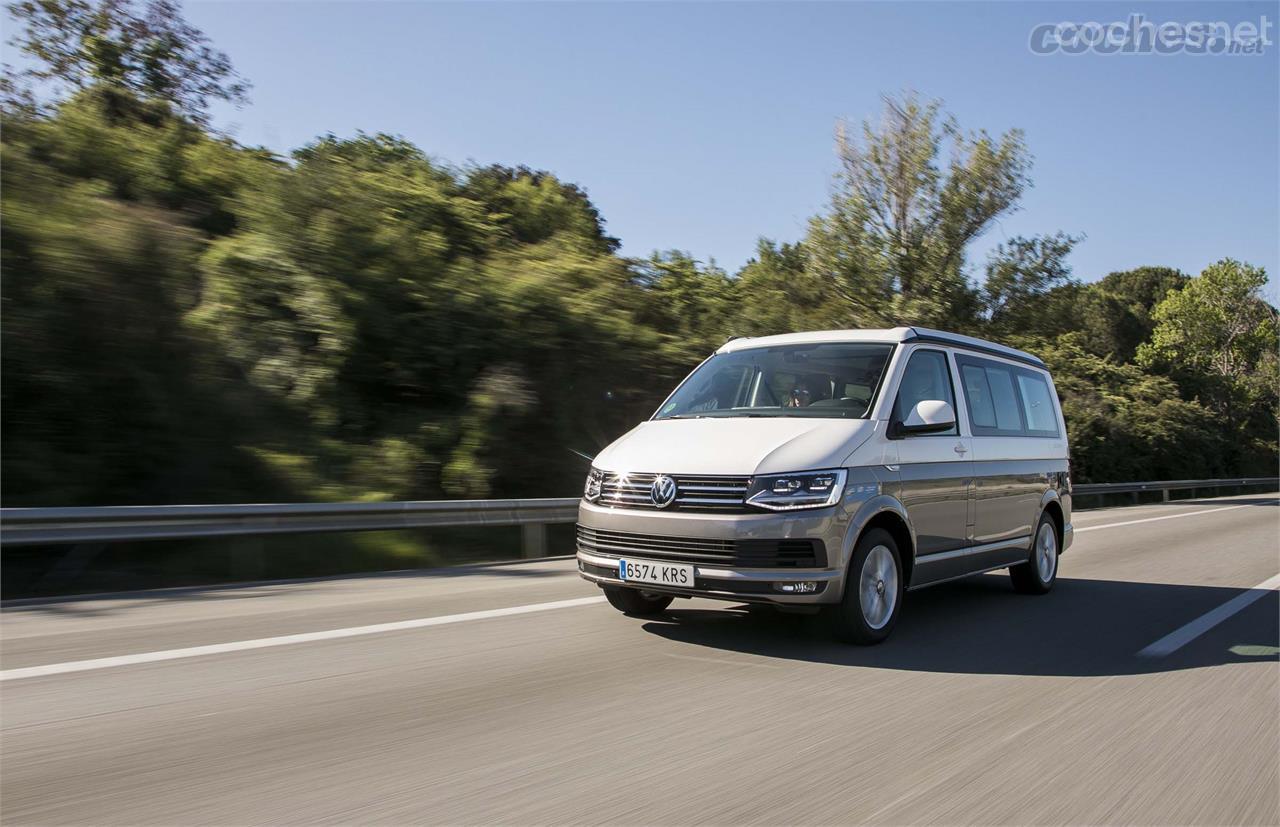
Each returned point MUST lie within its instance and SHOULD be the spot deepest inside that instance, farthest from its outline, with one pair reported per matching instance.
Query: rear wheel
(635, 602)
(872, 591)
(1037, 575)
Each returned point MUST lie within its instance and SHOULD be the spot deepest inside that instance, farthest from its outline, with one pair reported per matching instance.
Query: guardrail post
(1164, 493)
(533, 537)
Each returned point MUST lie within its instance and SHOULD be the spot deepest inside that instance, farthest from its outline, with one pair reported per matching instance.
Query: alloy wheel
(878, 587)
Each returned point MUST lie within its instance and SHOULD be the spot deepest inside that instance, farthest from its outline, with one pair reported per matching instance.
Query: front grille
(718, 494)
(760, 554)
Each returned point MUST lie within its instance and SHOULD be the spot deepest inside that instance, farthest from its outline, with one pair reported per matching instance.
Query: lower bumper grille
(759, 554)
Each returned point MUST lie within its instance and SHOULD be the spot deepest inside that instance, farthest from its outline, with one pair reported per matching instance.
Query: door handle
(960, 449)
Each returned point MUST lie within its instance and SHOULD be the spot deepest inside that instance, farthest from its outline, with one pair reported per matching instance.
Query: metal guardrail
(109, 524)
(1165, 486)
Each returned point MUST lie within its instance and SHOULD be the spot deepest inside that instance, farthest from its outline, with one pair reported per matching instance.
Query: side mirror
(929, 416)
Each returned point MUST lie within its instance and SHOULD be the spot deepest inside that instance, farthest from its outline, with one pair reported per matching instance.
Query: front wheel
(635, 602)
(1037, 575)
(873, 591)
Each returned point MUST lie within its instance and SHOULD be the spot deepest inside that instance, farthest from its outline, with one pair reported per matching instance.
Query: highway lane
(985, 705)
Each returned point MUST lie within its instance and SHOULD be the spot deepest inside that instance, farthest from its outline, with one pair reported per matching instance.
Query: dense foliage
(188, 319)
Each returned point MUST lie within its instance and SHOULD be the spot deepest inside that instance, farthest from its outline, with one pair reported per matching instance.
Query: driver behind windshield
(810, 390)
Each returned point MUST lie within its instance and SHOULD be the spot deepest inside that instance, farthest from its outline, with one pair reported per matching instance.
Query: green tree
(892, 242)
(1116, 309)
(1218, 338)
(150, 53)
(107, 396)
(694, 304)
(1028, 287)
(777, 293)
(155, 158)
(533, 206)
(281, 326)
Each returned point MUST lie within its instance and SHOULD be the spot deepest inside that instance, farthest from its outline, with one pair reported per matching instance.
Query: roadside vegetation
(187, 319)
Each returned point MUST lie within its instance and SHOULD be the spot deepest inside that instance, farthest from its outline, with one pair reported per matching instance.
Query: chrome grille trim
(693, 493)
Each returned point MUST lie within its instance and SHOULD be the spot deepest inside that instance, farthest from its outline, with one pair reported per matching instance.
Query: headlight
(787, 492)
(591, 491)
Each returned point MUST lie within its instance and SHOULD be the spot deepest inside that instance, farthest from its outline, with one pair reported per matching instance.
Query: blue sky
(704, 126)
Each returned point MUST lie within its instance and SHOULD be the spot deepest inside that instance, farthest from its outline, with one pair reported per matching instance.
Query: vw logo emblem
(663, 491)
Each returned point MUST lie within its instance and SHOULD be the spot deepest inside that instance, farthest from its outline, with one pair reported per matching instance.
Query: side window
(982, 413)
(995, 409)
(1005, 400)
(927, 377)
(1037, 404)
(1004, 397)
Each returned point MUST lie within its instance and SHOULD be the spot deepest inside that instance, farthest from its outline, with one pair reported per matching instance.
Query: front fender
(875, 490)
(870, 509)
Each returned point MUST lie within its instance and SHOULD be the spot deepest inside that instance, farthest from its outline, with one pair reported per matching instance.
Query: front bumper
(718, 581)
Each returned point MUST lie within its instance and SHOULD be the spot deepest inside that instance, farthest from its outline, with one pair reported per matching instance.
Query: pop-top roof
(895, 335)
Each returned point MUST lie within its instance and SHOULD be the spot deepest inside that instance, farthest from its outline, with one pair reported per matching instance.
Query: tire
(635, 602)
(873, 591)
(1040, 572)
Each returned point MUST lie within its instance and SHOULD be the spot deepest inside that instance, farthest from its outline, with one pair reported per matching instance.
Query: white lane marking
(287, 640)
(1178, 638)
(1161, 517)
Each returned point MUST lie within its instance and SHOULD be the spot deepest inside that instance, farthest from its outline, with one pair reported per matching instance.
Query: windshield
(837, 380)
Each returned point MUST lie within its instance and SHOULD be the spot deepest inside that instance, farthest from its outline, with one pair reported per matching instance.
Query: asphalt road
(986, 706)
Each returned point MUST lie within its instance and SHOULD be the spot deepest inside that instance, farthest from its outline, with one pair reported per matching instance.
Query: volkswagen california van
(833, 471)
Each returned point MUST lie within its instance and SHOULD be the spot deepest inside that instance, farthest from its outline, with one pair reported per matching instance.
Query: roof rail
(924, 334)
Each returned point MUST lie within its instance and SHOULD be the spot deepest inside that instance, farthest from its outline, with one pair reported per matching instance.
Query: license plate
(657, 574)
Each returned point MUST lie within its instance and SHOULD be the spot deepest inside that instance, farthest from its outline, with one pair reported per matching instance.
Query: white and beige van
(834, 470)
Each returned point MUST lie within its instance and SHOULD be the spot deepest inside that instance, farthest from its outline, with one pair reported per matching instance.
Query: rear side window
(1037, 404)
(1004, 400)
(982, 412)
